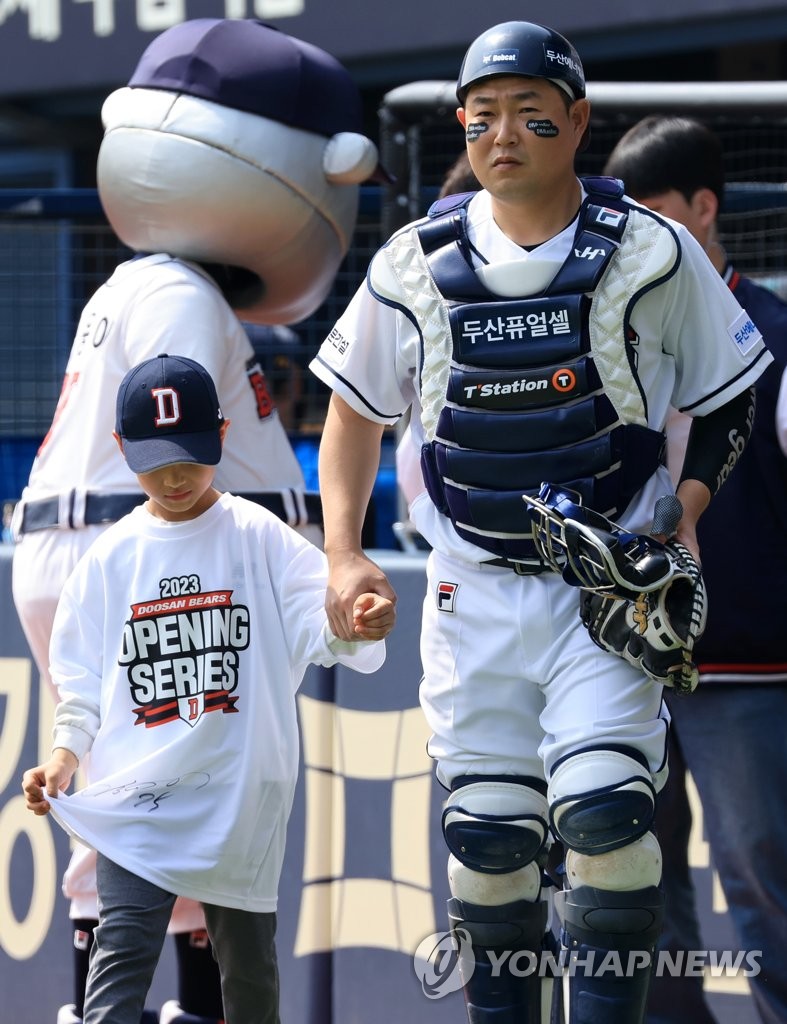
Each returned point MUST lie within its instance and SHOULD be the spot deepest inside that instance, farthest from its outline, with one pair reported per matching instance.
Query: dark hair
(663, 153)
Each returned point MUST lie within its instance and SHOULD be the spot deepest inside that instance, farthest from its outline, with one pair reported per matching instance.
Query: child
(179, 643)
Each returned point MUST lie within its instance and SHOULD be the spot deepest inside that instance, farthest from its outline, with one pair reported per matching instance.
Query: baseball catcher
(642, 600)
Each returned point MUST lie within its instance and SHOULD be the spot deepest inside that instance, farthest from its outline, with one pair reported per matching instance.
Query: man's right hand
(352, 574)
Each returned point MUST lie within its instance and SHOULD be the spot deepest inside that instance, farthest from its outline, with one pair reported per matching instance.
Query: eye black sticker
(475, 130)
(546, 129)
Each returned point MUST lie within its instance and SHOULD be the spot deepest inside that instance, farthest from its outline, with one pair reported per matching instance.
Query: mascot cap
(248, 65)
(522, 48)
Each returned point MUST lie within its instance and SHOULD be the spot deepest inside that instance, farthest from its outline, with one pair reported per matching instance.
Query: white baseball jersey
(177, 650)
(151, 305)
(686, 351)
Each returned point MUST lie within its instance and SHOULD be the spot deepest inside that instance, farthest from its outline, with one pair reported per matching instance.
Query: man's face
(521, 134)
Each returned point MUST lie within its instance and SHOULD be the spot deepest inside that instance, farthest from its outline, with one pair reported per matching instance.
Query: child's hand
(373, 616)
(48, 779)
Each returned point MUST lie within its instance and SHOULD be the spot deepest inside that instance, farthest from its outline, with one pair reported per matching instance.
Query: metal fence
(420, 138)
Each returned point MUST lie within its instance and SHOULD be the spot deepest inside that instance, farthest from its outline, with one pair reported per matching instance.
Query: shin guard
(608, 944)
(500, 986)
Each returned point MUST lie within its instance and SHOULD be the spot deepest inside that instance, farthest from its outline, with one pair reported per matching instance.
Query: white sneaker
(171, 1013)
(66, 1015)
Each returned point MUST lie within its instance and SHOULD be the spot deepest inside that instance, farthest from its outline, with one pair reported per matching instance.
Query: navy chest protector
(524, 401)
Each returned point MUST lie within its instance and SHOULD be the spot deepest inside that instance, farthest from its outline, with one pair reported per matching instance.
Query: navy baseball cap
(168, 411)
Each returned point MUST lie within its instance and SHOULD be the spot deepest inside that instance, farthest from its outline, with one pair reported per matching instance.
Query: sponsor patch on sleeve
(744, 332)
(339, 342)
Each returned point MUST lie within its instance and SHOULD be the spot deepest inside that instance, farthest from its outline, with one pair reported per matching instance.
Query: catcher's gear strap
(515, 925)
(656, 631)
(612, 920)
(717, 440)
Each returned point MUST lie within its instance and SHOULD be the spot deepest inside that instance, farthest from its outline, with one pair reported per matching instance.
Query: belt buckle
(525, 569)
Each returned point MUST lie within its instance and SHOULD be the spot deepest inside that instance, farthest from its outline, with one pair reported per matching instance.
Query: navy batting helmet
(522, 48)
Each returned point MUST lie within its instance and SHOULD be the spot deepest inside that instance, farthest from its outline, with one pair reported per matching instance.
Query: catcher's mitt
(654, 631)
(641, 599)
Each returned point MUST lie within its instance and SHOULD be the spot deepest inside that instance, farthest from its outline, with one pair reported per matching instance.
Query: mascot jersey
(508, 391)
(149, 305)
(178, 649)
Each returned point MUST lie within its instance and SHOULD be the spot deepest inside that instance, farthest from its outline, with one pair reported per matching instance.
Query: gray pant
(133, 919)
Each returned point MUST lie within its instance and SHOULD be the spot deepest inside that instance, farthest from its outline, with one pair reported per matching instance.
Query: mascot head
(239, 146)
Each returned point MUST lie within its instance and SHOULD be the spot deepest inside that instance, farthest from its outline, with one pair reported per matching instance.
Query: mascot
(230, 165)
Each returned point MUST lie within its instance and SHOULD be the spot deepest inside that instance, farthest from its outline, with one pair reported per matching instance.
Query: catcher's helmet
(522, 48)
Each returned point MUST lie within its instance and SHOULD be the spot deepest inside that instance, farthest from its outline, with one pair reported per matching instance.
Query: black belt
(275, 502)
(520, 568)
(94, 508)
(66, 512)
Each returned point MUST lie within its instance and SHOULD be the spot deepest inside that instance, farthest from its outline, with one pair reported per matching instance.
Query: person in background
(8, 516)
(729, 735)
(536, 331)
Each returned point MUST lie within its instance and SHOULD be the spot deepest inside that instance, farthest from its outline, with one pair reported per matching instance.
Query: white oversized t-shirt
(178, 649)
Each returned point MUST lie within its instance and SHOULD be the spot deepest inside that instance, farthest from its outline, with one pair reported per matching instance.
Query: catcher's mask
(592, 552)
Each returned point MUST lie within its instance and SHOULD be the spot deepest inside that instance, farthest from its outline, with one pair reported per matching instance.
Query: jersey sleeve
(781, 415)
(75, 656)
(717, 349)
(370, 356)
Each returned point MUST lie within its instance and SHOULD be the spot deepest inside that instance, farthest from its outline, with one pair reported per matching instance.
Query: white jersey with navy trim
(685, 342)
(151, 305)
(178, 649)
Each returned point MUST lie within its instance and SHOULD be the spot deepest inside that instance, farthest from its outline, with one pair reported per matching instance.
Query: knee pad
(606, 828)
(600, 800)
(495, 830)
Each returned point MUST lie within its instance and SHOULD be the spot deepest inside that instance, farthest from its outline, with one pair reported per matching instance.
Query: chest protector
(516, 391)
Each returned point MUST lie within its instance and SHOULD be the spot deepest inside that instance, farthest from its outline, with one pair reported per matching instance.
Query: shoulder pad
(611, 188)
(449, 203)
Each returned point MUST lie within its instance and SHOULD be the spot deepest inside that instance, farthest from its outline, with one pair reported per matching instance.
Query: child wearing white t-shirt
(179, 643)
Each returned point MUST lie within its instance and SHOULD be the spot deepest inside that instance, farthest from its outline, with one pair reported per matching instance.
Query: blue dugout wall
(364, 880)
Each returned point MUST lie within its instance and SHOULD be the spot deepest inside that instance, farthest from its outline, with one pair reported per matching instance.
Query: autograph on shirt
(150, 794)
